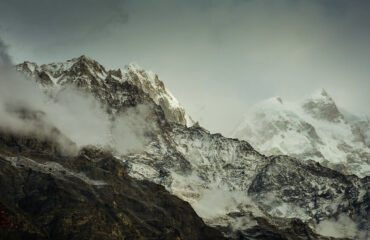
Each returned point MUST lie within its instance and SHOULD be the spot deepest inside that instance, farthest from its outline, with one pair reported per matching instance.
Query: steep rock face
(314, 130)
(47, 196)
(112, 87)
(150, 84)
(327, 193)
(322, 106)
(361, 126)
(251, 191)
(220, 178)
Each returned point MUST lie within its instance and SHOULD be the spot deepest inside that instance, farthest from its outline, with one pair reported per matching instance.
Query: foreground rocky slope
(48, 196)
(229, 184)
(315, 130)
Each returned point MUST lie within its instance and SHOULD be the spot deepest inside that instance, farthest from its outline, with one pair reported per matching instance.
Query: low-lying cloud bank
(341, 227)
(69, 114)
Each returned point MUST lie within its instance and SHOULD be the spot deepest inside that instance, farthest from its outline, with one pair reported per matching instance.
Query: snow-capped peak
(320, 93)
(321, 106)
(150, 83)
(314, 129)
(272, 104)
(85, 65)
(84, 72)
(252, 190)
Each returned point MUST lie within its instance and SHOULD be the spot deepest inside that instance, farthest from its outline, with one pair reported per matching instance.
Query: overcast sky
(218, 57)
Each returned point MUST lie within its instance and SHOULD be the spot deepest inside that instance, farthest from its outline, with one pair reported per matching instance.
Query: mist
(341, 227)
(217, 202)
(65, 116)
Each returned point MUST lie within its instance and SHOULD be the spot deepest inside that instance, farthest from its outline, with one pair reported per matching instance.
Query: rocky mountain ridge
(229, 184)
(46, 195)
(88, 74)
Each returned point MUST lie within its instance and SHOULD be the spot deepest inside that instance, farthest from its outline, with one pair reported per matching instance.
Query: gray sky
(218, 57)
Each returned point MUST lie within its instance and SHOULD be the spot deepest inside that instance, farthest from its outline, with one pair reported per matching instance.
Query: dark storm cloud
(50, 23)
(218, 57)
(61, 15)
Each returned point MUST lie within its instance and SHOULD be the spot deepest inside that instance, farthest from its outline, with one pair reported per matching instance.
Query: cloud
(216, 202)
(130, 128)
(26, 110)
(341, 227)
(66, 114)
(62, 23)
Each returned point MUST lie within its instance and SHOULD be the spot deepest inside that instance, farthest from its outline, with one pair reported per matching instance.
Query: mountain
(45, 195)
(316, 129)
(88, 74)
(233, 187)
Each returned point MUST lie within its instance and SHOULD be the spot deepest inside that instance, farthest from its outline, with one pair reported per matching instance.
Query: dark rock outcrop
(44, 195)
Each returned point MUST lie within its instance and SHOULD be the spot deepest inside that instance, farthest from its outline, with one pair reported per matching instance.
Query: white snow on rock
(88, 73)
(52, 168)
(228, 183)
(155, 88)
(313, 129)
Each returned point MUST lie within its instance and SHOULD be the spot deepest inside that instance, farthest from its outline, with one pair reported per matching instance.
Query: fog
(216, 203)
(341, 227)
(25, 109)
(217, 57)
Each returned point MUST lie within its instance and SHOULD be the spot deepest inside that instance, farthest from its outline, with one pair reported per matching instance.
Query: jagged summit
(321, 106)
(320, 93)
(150, 83)
(271, 102)
(313, 129)
(84, 65)
(276, 104)
(258, 197)
(84, 72)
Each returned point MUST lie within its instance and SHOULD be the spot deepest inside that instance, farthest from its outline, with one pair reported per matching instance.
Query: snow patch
(53, 168)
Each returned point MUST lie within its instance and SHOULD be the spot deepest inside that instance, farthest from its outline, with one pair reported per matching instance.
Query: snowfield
(314, 129)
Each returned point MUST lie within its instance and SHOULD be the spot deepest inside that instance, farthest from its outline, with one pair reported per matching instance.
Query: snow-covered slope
(229, 184)
(314, 129)
(87, 73)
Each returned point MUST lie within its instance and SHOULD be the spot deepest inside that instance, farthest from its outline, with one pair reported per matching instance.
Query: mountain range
(234, 188)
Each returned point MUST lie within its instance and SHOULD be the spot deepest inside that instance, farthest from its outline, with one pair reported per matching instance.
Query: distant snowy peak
(271, 103)
(275, 127)
(321, 106)
(84, 72)
(313, 129)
